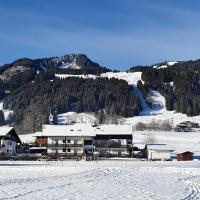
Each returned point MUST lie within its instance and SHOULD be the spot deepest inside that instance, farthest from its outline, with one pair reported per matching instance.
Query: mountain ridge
(57, 83)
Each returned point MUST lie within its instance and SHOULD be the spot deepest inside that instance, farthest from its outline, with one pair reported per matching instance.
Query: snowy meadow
(64, 180)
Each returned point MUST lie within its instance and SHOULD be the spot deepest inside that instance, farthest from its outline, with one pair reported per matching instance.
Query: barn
(184, 156)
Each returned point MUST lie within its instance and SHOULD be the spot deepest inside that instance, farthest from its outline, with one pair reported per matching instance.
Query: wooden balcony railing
(41, 142)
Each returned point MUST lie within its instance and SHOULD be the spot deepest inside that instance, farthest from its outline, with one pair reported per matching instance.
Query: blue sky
(115, 33)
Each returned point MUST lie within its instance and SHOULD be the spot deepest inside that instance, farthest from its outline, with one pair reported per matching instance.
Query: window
(88, 142)
(68, 150)
(64, 141)
(68, 141)
(64, 150)
(3, 145)
(7, 150)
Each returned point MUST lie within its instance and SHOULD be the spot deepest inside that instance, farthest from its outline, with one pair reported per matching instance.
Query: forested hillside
(32, 92)
(180, 85)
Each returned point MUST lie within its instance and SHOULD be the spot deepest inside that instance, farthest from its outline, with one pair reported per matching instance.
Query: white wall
(158, 155)
(9, 147)
(60, 150)
(52, 140)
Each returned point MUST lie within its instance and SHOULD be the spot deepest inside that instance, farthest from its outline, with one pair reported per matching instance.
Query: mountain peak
(69, 63)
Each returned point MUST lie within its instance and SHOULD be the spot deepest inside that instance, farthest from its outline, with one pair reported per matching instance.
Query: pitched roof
(4, 130)
(162, 147)
(81, 129)
(184, 152)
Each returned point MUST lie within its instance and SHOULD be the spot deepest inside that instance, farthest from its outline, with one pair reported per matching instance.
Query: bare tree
(150, 139)
(140, 126)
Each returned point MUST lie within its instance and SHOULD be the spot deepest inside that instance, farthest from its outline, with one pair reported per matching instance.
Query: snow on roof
(27, 138)
(5, 130)
(139, 145)
(163, 147)
(37, 148)
(112, 129)
(183, 152)
(84, 130)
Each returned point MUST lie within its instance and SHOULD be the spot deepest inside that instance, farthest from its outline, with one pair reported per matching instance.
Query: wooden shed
(184, 156)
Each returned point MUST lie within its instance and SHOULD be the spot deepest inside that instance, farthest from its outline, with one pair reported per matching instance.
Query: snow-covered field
(179, 141)
(99, 180)
(68, 117)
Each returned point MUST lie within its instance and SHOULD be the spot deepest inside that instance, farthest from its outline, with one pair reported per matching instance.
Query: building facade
(158, 152)
(185, 156)
(81, 139)
(112, 145)
(8, 141)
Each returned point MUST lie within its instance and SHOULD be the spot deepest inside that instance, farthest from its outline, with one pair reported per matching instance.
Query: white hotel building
(83, 139)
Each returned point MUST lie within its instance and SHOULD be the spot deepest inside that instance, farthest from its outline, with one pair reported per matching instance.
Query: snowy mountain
(68, 63)
(164, 65)
(74, 84)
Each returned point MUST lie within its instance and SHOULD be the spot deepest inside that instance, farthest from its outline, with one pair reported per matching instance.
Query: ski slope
(113, 180)
(6, 112)
(67, 118)
(158, 110)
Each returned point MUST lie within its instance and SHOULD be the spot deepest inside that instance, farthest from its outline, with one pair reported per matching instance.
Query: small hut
(184, 156)
(158, 152)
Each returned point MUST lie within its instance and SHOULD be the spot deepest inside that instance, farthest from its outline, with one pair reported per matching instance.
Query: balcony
(64, 154)
(113, 146)
(41, 142)
(65, 145)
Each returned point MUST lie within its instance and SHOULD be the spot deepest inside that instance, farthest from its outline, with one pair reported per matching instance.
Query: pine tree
(55, 118)
(101, 117)
(2, 119)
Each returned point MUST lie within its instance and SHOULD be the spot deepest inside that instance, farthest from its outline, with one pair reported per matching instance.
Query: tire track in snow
(194, 190)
